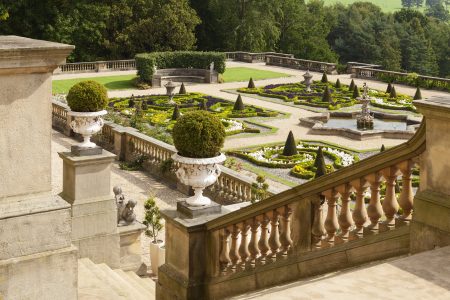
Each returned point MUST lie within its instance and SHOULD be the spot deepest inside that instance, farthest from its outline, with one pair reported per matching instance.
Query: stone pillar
(87, 187)
(37, 259)
(430, 225)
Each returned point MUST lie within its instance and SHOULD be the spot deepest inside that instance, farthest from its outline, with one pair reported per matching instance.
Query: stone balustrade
(97, 66)
(129, 144)
(254, 57)
(301, 64)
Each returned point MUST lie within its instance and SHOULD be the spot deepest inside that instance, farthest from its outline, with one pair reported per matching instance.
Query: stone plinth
(37, 260)
(87, 187)
(198, 211)
(130, 248)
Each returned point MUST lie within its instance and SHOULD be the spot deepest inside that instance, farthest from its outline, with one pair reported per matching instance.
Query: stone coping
(31, 204)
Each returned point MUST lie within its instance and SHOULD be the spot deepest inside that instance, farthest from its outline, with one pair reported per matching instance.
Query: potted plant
(198, 137)
(152, 220)
(87, 101)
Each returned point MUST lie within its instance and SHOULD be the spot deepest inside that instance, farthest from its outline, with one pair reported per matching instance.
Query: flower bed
(301, 164)
(340, 97)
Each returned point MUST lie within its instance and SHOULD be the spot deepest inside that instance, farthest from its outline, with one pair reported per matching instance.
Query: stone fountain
(364, 120)
(170, 87)
(307, 81)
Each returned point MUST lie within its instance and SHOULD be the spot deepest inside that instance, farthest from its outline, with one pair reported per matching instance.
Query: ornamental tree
(290, 147)
(337, 84)
(239, 104)
(319, 163)
(355, 92)
(251, 84)
(393, 93)
(182, 89)
(324, 78)
(176, 113)
(326, 97)
(418, 94)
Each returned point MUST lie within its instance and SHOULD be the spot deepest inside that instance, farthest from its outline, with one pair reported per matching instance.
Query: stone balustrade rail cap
(12, 42)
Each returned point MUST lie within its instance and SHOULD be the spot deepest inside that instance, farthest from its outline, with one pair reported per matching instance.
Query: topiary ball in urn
(198, 137)
(87, 101)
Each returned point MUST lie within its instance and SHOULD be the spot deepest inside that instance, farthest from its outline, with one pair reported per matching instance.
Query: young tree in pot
(198, 137)
(152, 220)
(87, 101)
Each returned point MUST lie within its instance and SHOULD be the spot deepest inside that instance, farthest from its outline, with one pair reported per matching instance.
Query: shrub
(418, 94)
(251, 84)
(131, 101)
(326, 97)
(290, 147)
(319, 163)
(152, 219)
(393, 93)
(239, 104)
(338, 84)
(351, 87)
(383, 148)
(144, 105)
(389, 88)
(324, 78)
(176, 113)
(182, 89)
(87, 96)
(146, 62)
(198, 134)
(355, 92)
(259, 189)
(202, 105)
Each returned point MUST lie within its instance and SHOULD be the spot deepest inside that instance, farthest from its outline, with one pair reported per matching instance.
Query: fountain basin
(344, 124)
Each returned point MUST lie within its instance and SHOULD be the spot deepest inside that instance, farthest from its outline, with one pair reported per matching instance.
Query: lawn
(386, 5)
(244, 74)
(121, 82)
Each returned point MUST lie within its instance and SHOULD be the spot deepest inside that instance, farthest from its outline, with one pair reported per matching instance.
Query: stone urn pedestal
(198, 173)
(87, 124)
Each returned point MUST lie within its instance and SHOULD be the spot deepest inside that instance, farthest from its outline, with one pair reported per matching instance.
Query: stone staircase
(100, 282)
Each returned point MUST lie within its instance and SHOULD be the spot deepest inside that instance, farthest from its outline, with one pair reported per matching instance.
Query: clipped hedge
(146, 62)
(87, 96)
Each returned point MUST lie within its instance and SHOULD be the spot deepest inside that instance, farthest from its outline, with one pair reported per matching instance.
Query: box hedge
(146, 62)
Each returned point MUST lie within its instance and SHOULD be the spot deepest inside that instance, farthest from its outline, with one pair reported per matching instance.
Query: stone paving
(424, 276)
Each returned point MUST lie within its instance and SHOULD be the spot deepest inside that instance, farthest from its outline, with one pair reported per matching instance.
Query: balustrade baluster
(234, 250)
(274, 238)
(285, 237)
(374, 209)
(318, 229)
(253, 245)
(331, 221)
(406, 195)
(263, 243)
(359, 212)
(345, 216)
(244, 252)
(224, 257)
(390, 205)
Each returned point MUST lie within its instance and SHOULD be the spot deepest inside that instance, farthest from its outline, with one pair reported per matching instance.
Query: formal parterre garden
(332, 95)
(156, 111)
(303, 163)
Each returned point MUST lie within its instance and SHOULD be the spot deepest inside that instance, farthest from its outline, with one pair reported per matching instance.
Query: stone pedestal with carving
(37, 260)
(87, 187)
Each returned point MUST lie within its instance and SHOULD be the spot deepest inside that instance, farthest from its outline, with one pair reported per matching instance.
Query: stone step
(146, 283)
(100, 282)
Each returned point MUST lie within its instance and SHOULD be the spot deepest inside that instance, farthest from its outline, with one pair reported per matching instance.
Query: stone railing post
(430, 225)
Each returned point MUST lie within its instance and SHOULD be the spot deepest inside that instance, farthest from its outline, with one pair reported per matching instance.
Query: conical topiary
(338, 84)
(131, 101)
(351, 87)
(319, 163)
(176, 113)
(324, 78)
(239, 104)
(393, 93)
(382, 148)
(251, 84)
(389, 88)
(326, 97)
(182, 89)
(290, 147)
(203, 105)
(418, 94)
(355, 92)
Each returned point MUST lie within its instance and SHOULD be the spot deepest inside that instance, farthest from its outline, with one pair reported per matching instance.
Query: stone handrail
(97, 66)
(292, 221)
(301, 64)
(352, 64)
(129, 144)
(372, 73)
(254, 57)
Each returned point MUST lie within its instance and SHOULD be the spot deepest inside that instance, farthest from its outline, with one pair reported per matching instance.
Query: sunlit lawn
(244, 74)
(121, 82)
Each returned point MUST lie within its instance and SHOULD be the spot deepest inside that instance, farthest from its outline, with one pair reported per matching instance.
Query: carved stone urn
(87, 124)
(198, 173)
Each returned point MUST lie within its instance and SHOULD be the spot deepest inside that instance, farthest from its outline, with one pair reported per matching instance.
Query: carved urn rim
(87, 114)
(199, 161)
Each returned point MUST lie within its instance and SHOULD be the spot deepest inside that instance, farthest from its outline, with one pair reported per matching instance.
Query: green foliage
(319, 163)
(326, 96)
(182, 89)
(337, 84)
(393, 93)
(202, 105)
(259, 189)
(152, 219)
(239, 104)
(176, 113)
(382, 149)
(131, 102)
(290, 147)
(355, 92)
(147, 62)
(233, 164)
(418, 94)
(251, 84)
(198, 134)
(166, 165)
(324, 78)
(135, 164)
(351, 87)
(87, 96)
(389, 88)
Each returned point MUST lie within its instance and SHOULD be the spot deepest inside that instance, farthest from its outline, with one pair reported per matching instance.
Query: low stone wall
(250, 57)
(184, 75)
(97, 66)
(301, 64)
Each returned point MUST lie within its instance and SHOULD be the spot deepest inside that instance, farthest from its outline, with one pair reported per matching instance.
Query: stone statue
(155, 68)
(125, 209)
(365, 91)
(211, 66)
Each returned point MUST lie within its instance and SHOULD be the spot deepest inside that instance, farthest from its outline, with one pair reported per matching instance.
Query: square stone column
(87, 187)
(37, 260)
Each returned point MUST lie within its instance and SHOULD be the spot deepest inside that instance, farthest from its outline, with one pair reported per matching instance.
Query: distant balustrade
(97, 66)
(301, 64)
